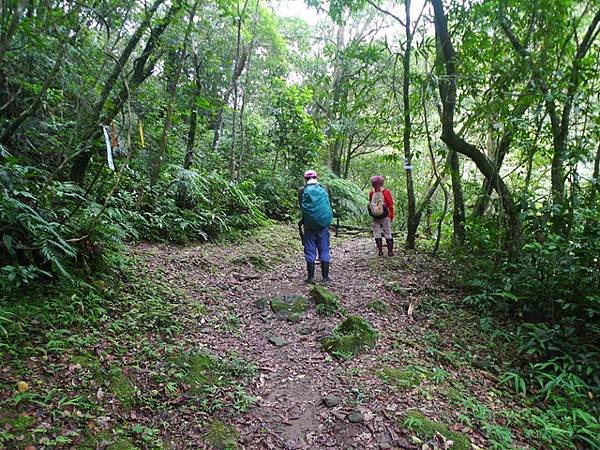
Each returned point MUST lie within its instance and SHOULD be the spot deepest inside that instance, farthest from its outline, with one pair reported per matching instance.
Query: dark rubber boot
(379, 243)
(325, 271)
(390, 246)
(310, 269)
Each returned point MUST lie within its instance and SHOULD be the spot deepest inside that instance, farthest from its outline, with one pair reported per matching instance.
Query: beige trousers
(382, 226)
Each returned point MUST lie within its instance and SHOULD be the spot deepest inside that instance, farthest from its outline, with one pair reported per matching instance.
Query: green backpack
(315, 206)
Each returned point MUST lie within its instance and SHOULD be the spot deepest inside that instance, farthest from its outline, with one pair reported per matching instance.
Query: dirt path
(293, 379)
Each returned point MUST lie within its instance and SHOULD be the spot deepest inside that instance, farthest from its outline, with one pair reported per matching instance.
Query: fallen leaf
(22, 386)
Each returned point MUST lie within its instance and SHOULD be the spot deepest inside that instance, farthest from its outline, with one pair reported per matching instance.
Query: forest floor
(203, 361)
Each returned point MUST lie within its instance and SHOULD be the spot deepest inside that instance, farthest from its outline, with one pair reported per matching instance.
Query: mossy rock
(350, 338)
(256, 261)
(290, 307)
(378, 306)
(426, 428)
(122, 387)
(404, 378)
(327, 303)
(221, 436)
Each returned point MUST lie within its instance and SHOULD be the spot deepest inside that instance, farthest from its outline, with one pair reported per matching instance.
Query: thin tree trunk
(411, 225)
(458, 203)
(191, 140)
(12, 28)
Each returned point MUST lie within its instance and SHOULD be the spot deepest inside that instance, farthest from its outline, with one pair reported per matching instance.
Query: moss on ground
(290, 307)
(221, 436)
(378, 306)
(256, 261)
(122, 387)
(403, 378)
(350, 338)
(427, 429)
(326, 301)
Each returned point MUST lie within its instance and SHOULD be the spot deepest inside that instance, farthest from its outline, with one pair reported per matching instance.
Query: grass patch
(403, 378)
(425, 428)
(215, 382)
(378, 306)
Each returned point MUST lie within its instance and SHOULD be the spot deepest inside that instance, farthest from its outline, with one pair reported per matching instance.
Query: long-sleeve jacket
(388, 200)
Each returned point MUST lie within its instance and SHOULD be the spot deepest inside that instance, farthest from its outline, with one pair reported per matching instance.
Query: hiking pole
(301, 232)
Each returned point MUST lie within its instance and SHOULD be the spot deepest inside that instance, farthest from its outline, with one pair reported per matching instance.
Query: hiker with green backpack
(381, 209)
(317, 215)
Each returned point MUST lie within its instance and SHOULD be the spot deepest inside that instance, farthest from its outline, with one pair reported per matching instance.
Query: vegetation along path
(221, 346)
(417, 385)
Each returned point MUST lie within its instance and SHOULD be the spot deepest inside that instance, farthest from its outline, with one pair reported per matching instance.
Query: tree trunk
(335, 146)
(411, 224)
(172, 82)
(458, 208)
(447, 88)
(193, 124)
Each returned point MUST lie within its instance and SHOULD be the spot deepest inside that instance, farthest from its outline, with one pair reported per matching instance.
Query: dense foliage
(188, 120)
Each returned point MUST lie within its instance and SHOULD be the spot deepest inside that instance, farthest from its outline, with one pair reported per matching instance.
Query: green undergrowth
(213, 381)
(110, 344)
(553, 412)
(427, 429)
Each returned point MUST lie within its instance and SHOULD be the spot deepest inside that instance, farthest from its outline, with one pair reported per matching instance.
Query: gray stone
(356, 418)
(339, 415)
(278, 341)
(290, 307)
(481, 363)
(261, 303)
(305, 330)
(331, 401)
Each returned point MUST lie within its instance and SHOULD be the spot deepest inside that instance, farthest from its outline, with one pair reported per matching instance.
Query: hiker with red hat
(381, 209)
(317, 215)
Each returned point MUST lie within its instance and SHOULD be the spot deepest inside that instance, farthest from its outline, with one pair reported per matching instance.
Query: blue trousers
(316, 241)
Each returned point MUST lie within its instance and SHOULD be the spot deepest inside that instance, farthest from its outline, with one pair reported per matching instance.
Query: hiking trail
(415, 366)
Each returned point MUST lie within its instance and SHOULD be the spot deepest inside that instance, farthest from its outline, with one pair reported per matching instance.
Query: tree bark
(193, 124)
(458, 202)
